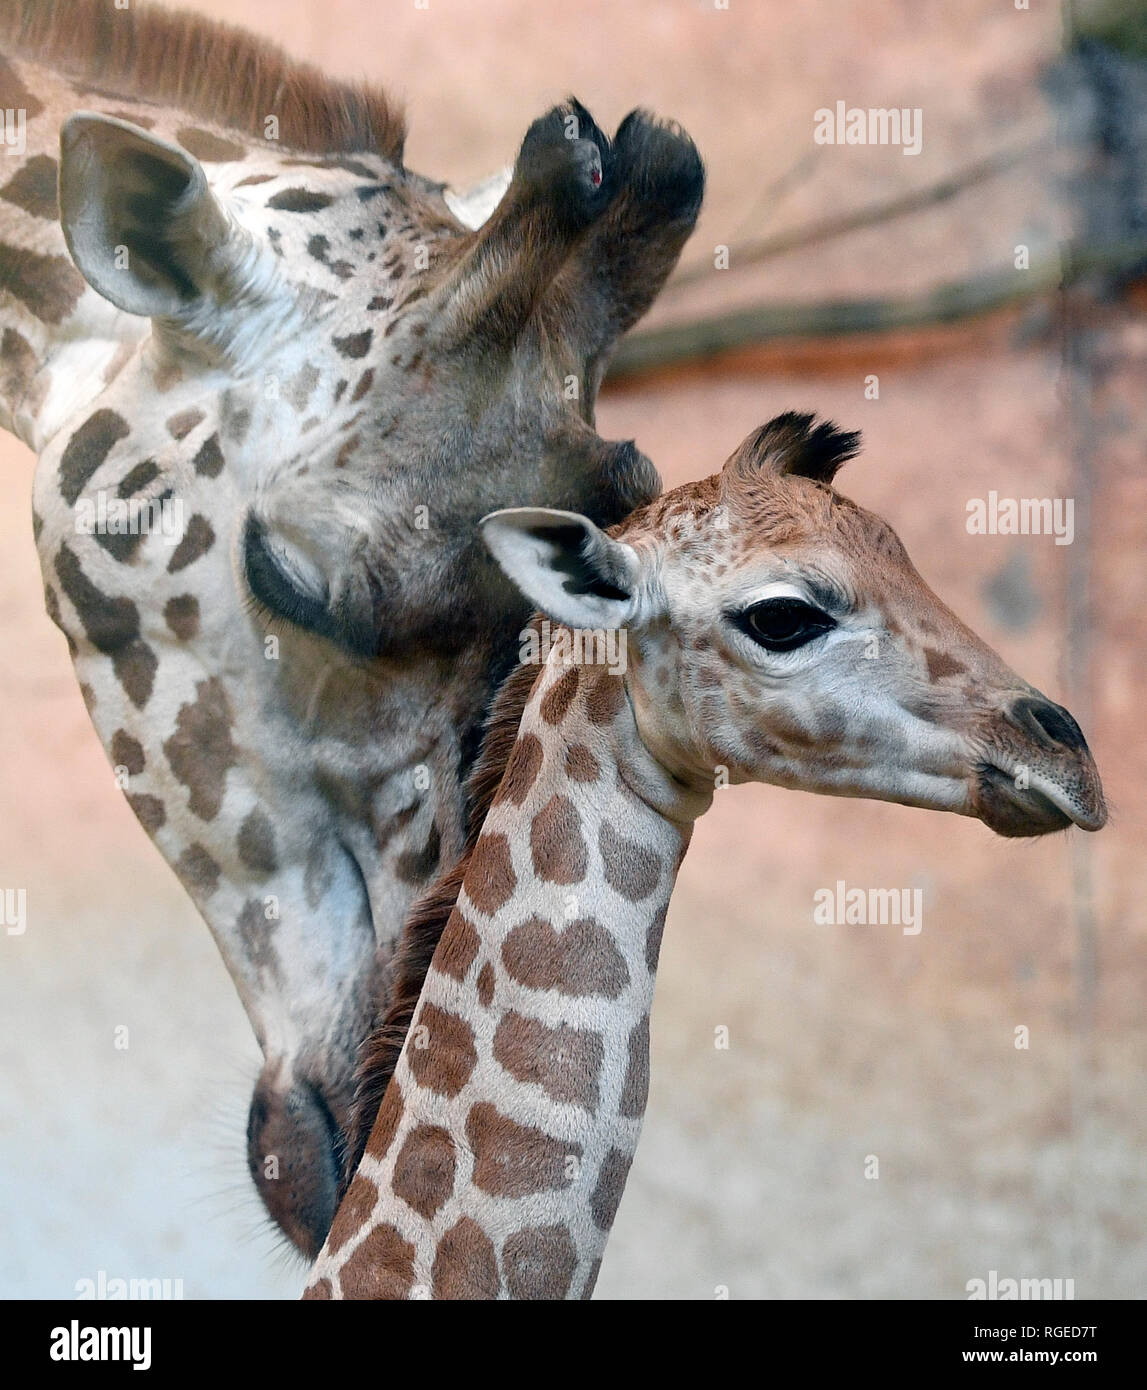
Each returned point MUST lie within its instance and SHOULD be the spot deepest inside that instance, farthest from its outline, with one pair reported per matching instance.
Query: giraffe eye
(783, 624)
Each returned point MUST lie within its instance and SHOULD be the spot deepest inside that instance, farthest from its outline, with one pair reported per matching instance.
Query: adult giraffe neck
(503, 1143)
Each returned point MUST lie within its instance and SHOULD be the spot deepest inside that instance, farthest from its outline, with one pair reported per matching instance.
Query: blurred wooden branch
(780, 243)
(702, 338)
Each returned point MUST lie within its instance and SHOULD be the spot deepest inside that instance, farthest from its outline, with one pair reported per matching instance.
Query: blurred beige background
(845, 1042)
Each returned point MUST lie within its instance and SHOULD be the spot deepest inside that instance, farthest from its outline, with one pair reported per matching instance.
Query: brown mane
(427, 919)
(215, 71)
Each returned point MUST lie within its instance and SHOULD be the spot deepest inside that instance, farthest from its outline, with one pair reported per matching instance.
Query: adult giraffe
(269, 324)
(777, 632)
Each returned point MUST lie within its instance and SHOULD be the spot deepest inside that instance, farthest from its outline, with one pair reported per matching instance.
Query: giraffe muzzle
(1042, 777)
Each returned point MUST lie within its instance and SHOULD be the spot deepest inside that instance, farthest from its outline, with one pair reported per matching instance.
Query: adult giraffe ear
(141, 223)
(565, 565)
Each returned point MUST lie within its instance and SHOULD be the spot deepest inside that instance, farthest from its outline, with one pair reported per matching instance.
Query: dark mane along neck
(428, 917)
(215, 71)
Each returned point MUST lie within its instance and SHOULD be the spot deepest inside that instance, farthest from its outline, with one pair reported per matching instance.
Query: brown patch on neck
(427, 919)
(215, 71)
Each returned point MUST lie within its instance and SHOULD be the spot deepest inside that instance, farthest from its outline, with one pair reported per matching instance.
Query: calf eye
(783, 624)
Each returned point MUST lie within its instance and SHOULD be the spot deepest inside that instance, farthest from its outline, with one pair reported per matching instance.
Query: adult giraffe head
(779, 633)
(274, 379)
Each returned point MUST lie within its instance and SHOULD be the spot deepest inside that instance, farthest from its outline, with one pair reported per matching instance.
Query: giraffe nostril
(1047, 721)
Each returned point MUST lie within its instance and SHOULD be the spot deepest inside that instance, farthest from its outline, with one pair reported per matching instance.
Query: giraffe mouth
(1013, 809)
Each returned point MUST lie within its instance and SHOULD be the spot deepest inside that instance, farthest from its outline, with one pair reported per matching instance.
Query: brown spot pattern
(557, 700)
(49, 286)
(635, 1090)
(424, 1169)
(201, 750)
(33, 187)
(606, 1197)
(127, 752)
(490, 879)
(565, 1062)
(539, 1263)
(386, 1122)
(354, 345)
(181, 615)
(382, 1267)
(354, 1209)
(447, 1056)
(197, 868)
(149, 811)
(459, 946)
(256, 843)
(486, 985)
(653, 939)
(556, 844)
(465, 1265)
(208, 461)
(197, 541)
(203, 144)
(630, 868)
(581, 765)
(87, 449)
(513, 1160)
(521, 771)
(605, 698)
(181, 424)
(299, 200)
(940, 664)
(582, 960)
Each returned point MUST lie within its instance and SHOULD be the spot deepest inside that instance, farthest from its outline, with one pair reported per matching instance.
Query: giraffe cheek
(292, 1143)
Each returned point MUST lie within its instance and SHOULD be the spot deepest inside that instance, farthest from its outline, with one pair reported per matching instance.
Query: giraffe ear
(565, 565)
(143, 227)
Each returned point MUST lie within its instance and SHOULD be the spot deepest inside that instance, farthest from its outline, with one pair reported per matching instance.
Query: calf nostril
(1048, 721)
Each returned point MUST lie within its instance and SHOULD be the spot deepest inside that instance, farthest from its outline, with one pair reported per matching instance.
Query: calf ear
(565, 565)
(141, 223)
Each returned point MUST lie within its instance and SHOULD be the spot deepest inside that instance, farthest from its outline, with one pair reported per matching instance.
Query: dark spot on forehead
(940, 664)
(181, 614)
(299, 200)
(33, 188)
(86, 450)
(203, 144)
(49, 286)
(197, 541)
(253, 179)
(381, 301)
(209, 460)
(363, 385)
